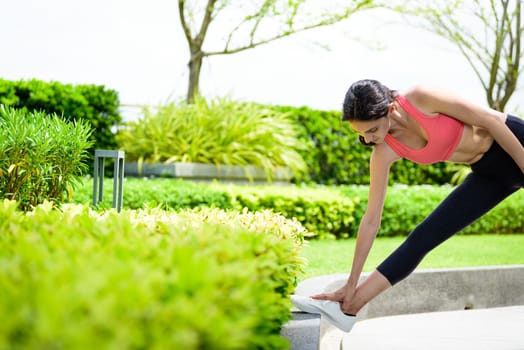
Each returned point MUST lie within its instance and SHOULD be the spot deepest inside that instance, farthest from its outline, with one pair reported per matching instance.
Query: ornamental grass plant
(220, 132)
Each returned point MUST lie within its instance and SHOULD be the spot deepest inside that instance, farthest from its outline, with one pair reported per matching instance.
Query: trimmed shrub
(41, 156)
(151, 279)
(407, 206)
(170, 194)
(324, 211)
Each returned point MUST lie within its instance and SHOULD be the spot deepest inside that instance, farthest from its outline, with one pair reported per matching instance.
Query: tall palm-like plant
(221, 132)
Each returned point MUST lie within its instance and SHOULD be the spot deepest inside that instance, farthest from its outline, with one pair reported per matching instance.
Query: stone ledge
(448, 290)
(208, 172)
(428, 290)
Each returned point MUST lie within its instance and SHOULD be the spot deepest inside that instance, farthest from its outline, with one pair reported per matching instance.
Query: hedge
(148, 279)
(407, 206)
(324, 211)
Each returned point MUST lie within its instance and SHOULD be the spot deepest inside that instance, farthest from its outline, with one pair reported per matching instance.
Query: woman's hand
(343, 295)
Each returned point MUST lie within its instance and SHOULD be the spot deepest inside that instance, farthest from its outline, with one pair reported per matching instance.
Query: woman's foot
(329, 309)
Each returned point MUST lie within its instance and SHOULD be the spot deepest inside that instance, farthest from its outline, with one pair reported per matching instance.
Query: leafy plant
(460, 173)
(92, 103)
(148, 279)
(221, 132)
(407, 206)
(41, 156)
(323, 211)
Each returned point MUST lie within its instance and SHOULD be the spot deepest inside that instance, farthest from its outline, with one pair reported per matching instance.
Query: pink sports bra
(444, 134)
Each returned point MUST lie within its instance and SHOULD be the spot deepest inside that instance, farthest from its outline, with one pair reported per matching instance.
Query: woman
(426, 126)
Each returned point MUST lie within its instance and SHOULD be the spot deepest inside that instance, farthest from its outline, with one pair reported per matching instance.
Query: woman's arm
(438, 101)
(380, 163)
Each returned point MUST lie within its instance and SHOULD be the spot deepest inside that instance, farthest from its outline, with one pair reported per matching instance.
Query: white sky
(137, 48)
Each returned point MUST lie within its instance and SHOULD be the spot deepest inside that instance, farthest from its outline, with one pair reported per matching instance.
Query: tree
(489, 34)
(246, 24)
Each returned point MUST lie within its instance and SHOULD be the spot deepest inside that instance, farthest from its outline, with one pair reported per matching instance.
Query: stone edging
(427, 291)
(208, 172)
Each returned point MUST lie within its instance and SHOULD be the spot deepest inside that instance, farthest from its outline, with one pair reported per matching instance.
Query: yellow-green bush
(148, 279)
(322, 211)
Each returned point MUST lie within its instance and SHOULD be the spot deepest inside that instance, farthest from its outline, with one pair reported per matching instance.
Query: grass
(330, 256)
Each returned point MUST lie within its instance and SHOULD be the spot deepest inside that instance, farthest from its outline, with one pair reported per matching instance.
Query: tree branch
(262, 12)
(185, 27)
(208, 17)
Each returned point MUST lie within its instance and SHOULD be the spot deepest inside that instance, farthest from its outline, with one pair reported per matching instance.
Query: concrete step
(303, 331)
(424, 292)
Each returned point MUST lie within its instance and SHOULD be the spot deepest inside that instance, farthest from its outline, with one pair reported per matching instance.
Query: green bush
(41, 156)
(92, 103)
(216, 132)
(324, 211)
(160, 193)
(209, 279)
(407, 206)
(335, 155)
(171, 194)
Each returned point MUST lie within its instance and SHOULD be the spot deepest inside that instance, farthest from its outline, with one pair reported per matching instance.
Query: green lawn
(330, 256)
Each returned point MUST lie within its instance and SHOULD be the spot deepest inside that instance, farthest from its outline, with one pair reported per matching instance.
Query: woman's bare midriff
(474, 143)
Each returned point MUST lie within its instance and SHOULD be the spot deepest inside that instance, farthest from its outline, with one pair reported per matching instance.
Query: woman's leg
(468, 202)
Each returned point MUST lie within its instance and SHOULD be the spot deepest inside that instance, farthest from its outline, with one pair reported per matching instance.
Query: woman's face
(373, 131)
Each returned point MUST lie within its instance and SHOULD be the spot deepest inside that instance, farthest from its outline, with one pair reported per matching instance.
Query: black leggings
(494, 177)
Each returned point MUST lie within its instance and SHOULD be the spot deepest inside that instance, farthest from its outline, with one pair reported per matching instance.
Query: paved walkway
(481, 329)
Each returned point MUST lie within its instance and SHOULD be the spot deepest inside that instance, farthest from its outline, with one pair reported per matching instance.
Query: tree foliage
(488, 34)
(239, 25)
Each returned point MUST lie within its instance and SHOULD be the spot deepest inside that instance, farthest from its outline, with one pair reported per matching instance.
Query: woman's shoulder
(427, 99)
(384, 154)
(418, 94)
